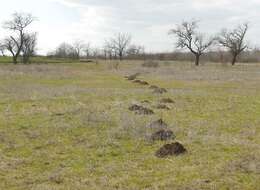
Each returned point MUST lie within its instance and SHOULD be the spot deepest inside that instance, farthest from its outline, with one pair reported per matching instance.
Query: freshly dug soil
(167, 101)
(141, 110)
(162, 107)
(141, 82)
(144, 83)
(146, 102)
(136, 81)
(173, 149)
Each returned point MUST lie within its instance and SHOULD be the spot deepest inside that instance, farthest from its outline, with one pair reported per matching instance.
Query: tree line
(22, 44)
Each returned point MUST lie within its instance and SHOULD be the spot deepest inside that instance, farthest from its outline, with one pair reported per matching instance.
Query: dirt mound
(133, 77)
(167, 101)
(173, 149)
(141, 82)
(144, 111)
(135, 107)
(144, 83)
(146, 102)
(159, 91)
(162, 135)
(158, 125)
(141, 110)
(153, 87)
(137, 81)
(162, 107)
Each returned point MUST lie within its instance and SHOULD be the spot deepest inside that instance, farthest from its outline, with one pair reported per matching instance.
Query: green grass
(67, 126)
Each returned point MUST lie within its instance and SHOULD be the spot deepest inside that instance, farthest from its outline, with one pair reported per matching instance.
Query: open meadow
(68, 126)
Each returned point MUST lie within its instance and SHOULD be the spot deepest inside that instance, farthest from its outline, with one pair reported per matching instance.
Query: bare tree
(2, 48)
(109, 49)
(65, 50)
(18, 25)
(10, 46)
(29, 47)
(78, 48)
(135, 51)
(87, 50)
(189, 38)
(119, 44)
(234, 40)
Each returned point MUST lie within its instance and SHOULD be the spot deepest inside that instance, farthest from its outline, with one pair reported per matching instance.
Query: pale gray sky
(148, 21)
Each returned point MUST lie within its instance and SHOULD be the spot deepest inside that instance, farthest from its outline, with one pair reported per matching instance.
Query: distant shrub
(151, 64)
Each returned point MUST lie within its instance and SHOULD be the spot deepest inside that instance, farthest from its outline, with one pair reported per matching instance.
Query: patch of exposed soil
(136, 81)
(144, 83)
(146, 102)
(162, 135)
(159, 91)
(141, 82)
(167, 101)
(162, 107)
(173, 149)
(141, 110)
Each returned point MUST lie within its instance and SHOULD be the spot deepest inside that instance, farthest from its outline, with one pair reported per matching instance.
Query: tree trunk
(197, 61)
(234, 60)
(120, 56)
(14, 60)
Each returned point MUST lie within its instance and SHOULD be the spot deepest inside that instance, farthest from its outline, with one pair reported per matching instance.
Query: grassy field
(67, 126)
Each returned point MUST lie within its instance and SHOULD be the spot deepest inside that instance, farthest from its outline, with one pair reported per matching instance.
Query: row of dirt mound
(160, 130)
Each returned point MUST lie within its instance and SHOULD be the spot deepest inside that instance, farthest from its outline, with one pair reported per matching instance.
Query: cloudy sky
(148, 21)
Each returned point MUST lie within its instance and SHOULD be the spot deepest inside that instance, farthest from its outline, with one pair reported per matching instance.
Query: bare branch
(234, 40)
(189, 38)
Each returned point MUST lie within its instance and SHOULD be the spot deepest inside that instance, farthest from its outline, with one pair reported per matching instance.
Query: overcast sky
(148, 21)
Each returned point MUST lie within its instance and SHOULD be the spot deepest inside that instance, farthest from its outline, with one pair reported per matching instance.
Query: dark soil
(159, 91)
(141, 110)
(167, 101)
(162, 135)
(144, 83)
(173, 149)
(135, 107)
(146, 102)
(144, 111)
(162, 107)
(141, 82)
(137, 81)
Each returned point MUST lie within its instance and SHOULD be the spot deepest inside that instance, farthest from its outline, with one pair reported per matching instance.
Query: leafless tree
(135, 52)
(189, 38)
(29, 47)
(78, 48)
(109, 50)
(10, 46)
(2, 48)
(87, 50)
(65, 50)
(119, 44)
(234, 40)
(96, 52)
(18, 24)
